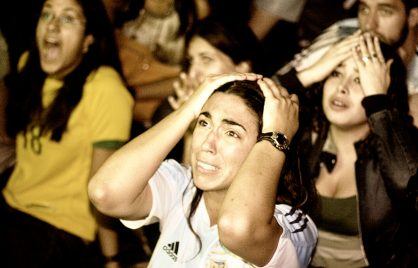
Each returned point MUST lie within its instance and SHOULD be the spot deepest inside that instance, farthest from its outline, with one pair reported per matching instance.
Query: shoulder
(296, 225)
(103, 75)
(107, 83)
(173, 175)
(174, 168)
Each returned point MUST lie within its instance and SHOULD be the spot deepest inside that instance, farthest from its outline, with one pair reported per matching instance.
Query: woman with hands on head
(223, 209)
(361, 151)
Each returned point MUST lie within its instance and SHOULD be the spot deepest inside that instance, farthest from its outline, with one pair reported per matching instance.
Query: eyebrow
(388, 5)
(341, 65)
(226, 121)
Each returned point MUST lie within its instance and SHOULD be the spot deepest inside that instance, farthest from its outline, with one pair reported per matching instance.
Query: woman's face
(60, 37)
(342, 96)
(225, 132)
(206, 60)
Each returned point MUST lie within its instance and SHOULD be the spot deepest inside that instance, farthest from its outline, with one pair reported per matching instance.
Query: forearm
(160, 89)
(119, 183)
(108, 240)
(246, 218)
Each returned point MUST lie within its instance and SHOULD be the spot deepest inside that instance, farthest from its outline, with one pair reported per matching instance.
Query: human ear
(413, 18)
(88, 40)
(243, 67)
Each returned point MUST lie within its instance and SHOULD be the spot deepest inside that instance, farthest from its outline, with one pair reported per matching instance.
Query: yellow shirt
(50, 178)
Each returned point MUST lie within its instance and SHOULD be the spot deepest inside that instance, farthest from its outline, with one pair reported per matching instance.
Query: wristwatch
(279, 140)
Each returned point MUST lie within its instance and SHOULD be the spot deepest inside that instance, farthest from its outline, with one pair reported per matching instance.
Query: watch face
(280, 138)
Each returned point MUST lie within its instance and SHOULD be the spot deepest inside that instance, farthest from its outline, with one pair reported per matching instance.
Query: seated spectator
(360, 149)
(151, 44)
(67, 110)
(221, 211)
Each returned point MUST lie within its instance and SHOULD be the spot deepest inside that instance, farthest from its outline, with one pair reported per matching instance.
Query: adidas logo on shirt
(172, 249)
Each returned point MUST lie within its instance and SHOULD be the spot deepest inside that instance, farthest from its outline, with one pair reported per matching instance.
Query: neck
(344, 139)
(213, 202)
(408, 49)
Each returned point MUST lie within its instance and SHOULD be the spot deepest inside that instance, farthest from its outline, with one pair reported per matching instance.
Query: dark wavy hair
(236, 41)
(25, 87)
(398, 101)
(292, 188)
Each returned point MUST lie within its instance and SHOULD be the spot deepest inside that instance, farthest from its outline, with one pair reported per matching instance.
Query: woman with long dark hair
(68, 110)
(360, 149)
(237, 205)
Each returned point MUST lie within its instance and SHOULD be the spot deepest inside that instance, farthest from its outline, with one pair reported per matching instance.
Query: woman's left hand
(374, 71)
(281, 110)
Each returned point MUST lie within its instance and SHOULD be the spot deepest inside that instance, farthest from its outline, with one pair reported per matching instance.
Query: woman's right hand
(210, 84)
(321, 69)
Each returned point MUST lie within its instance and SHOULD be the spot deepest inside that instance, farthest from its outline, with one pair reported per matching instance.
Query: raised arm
(396, 142)
(321, 69)
(246, 224)
(120, 187)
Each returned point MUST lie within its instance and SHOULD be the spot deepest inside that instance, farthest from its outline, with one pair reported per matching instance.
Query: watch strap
(277, 139)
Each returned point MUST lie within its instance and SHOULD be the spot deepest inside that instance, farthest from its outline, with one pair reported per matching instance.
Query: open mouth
(51, 48)
(338, 103)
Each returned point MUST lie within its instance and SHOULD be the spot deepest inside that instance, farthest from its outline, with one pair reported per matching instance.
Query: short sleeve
(167, 185)
(297, 241)
(109, 107)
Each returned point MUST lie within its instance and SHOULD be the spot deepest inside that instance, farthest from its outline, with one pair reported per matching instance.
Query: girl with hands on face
(222, 209)
(360, 150)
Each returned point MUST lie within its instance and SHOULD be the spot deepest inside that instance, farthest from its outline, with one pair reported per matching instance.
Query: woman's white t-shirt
(172, 192)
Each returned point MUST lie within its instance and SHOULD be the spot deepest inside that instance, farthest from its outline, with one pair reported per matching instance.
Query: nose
(371, 23)
(53, 24)
(209, 143)
(195, 73)
(343, 87)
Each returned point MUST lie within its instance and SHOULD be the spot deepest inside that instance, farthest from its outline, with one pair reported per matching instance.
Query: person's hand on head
(374, 71)
(281, 110)
(321, 69)
(210, 84)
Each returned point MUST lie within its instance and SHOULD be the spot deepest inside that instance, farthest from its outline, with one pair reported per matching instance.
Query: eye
(202, 122)
(357, 80)
(335, 73)
(363, 10)
(206, 59)
(233, 134)
(386, 11)
(46, 15)
(67, 20)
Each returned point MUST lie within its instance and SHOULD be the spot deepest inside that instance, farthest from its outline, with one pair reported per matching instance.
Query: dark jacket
(386, 177)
